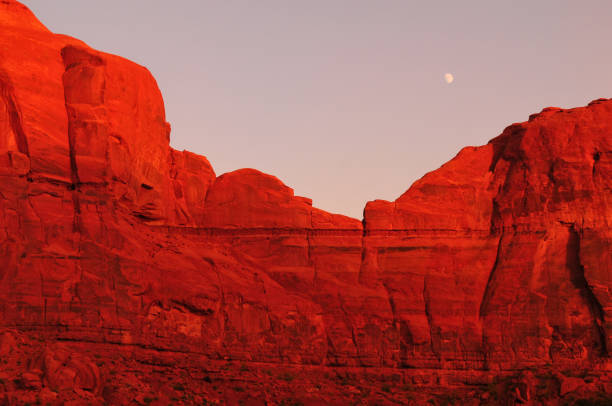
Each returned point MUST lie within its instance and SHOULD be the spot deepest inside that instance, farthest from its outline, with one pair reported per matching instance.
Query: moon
(448, 77)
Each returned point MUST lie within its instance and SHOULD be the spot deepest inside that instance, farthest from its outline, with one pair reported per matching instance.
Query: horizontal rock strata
(498, 261)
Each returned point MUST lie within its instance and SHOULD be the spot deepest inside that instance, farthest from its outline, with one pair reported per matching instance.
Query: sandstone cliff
(122, 260)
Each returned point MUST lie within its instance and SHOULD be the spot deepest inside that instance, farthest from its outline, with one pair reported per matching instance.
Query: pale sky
(346, 100)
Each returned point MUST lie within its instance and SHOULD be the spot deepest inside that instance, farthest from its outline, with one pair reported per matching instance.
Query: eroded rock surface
(123, 260)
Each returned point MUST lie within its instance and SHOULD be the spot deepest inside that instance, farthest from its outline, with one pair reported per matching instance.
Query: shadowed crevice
(578, 279)
(7, 94)
(490, 286)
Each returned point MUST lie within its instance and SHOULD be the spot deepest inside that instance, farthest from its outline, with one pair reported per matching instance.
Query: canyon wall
(500, 260)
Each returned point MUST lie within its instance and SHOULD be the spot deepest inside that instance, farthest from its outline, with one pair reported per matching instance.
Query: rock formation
(131, 274)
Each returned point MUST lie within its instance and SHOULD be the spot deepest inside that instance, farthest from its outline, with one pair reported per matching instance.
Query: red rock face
(131, 273)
